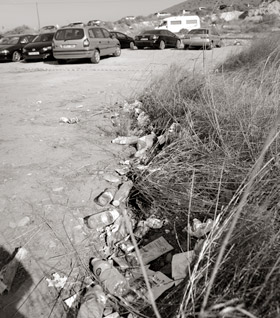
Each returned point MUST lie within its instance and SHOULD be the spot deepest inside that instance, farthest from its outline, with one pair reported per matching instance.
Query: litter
(121, 140)
(123, 192)
(106, 196)
(69, 120)
(154, 223)
(154, 249)
(56, 281)
(101, 219)
(111, 178)
(109, 277)
(199, 229)
(180, 264)
(93, 304)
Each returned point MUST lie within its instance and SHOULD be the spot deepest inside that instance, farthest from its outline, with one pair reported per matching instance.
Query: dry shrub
(202, 171)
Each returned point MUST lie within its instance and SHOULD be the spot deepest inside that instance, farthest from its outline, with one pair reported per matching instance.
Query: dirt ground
(51, 172)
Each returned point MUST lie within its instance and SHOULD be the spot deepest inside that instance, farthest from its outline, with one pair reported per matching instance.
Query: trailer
(177, 23)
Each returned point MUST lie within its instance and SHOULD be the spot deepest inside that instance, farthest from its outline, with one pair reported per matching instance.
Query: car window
(97, 33)
(106, 33)
(9, 40)
(199, 31)
(69, 34)
(121, 36)
(24, 40)
(43, 38)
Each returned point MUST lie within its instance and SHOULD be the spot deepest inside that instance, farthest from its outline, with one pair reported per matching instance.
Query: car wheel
(95, 59)
(61, 61)
(16, 56)
(131, 45)
(117, 52)
(186, 47)
(178, 44)
(162, 45)
(220, 44)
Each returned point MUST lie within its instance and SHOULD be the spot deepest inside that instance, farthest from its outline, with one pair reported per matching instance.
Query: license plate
(68, 46)
(144, 39)
(33, 53)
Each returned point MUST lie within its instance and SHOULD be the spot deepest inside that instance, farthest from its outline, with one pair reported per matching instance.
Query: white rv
(175, 24)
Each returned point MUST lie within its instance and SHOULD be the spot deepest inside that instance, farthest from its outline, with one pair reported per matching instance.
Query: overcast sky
(18, 12)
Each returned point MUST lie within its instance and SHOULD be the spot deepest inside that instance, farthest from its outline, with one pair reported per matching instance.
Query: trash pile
(117, 286)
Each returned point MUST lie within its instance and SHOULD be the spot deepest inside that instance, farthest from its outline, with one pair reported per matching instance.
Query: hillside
(193, 5)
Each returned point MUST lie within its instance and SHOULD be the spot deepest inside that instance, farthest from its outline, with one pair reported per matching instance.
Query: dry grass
(208, 169)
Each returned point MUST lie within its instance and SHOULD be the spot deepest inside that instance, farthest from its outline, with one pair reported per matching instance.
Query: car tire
(131, 45)
(16, 56)
(162, 45)
(178, 44)
(61, 62)
(117, 52)
(95, 59)
(186, 47)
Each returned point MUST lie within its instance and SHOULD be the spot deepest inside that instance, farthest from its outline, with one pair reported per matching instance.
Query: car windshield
(9, 40)
(44, 38)
(199, 31)
(69, 34)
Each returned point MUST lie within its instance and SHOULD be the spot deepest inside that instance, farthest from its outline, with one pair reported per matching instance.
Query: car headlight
(47, 48)
(4, 52)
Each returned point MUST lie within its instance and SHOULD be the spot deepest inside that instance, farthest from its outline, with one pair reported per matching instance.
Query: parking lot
(51, 171)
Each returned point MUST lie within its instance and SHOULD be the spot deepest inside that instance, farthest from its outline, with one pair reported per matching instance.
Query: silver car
(204, 37)
(79, 41)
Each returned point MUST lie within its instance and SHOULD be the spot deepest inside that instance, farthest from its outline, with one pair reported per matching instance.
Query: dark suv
(80, 41)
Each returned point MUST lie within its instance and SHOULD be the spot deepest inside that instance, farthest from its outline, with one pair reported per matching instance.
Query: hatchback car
(79, 41)
(40, 48)
(205, 37)
(11, 46)
(159, 39)
(125, 40)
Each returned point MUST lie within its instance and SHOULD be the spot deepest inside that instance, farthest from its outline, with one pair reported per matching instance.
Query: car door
(97, 40)
(109, 42)
(124, 41)
(172, 39)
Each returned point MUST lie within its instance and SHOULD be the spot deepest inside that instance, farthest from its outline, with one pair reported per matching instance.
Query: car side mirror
(113, 36)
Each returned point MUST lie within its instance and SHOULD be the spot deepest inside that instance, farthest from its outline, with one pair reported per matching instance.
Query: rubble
(67, 120)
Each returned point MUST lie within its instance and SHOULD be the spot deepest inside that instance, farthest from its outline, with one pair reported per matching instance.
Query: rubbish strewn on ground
(57, 281)
(180, 265)
(100, 220)
(67, 120)
(8, 272)
(199, 229)
(93, 303)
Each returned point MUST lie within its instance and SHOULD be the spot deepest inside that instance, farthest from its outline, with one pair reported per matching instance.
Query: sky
(14, 13)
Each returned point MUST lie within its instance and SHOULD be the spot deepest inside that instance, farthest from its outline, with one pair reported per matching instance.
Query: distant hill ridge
(192, 5)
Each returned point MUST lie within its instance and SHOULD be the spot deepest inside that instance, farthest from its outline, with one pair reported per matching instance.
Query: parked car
(11, 46)
(80, 41)
(40, 48)
(49, 28)
(157, 39)
(125, 40)
(203, 37)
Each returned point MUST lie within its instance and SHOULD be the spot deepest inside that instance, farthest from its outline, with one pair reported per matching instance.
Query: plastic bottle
(102, 219)
(106, 196)
(123, 192)
(122, 140)
(109, 277)
(94, 303)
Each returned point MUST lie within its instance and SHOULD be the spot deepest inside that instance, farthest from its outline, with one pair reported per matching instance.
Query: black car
(11, 46)
(157, 39)
(125, 40)
(40, 48)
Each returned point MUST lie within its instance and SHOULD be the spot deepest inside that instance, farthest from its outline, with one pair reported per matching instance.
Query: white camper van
(175, 24)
